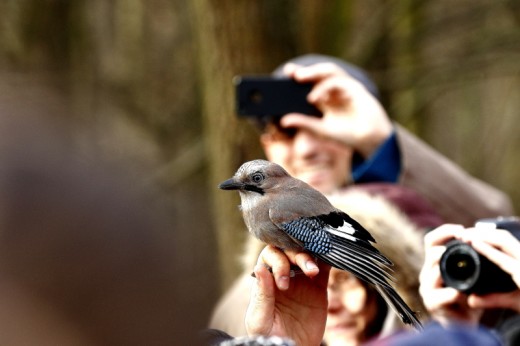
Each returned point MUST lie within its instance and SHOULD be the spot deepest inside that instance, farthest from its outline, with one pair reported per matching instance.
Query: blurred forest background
(153, 78)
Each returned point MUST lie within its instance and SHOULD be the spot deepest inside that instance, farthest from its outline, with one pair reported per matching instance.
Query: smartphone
(267, 96)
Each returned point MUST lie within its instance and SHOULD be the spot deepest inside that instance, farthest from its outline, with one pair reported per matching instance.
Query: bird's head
(255, 176)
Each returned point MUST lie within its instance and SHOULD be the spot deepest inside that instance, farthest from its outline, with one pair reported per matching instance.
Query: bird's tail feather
(364, 271)
(368, 264)
(399, 306)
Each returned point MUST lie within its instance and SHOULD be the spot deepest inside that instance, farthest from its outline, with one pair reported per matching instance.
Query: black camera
(466, 270)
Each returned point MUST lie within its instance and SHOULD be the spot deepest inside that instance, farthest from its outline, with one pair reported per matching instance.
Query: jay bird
(288, 213)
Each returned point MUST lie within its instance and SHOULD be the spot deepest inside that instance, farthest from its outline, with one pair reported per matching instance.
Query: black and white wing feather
(341, 242)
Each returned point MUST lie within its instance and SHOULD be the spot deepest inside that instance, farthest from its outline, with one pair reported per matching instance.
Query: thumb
(260, 312)
(297, 120)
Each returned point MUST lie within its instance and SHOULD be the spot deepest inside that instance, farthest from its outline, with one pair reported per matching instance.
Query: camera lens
(460, 266)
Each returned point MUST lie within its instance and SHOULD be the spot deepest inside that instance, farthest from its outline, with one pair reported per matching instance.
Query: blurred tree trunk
(246, 37)
(230, 40)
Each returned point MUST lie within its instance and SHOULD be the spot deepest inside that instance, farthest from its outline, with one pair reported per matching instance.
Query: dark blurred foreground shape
(87, 254)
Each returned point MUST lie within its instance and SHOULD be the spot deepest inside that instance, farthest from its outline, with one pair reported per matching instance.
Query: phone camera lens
(255, 96)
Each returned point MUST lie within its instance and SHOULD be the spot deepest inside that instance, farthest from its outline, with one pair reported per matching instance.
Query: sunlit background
(153, 78)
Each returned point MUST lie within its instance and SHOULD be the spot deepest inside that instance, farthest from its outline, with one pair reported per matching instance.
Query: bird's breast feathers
(250, 201)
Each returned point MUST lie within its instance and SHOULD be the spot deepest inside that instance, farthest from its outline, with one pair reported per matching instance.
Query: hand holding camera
(501, 247)
(482, 266)
(471, 271)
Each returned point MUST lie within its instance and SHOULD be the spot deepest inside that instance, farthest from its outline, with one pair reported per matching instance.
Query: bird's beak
(231, 184)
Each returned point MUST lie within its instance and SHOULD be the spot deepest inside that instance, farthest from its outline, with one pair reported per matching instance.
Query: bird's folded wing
(340, 247)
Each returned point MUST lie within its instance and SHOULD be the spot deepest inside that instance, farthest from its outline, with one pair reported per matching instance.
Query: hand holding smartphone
(267, 96)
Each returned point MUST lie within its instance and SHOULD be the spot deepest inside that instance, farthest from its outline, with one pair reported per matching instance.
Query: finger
(264, 289)
(509, 300)
(290, 68)
(430, 278)
(442, 234)
(316, 72)
(501, 239)
(430, 272)
(336, 91)
(506, 262)
(441, 298)
(306, 263)
(279, 263)
(432, 255)
(261, 306)
(433, 292)
(297, 120)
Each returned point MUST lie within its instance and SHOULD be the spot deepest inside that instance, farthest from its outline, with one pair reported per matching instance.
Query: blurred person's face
(320, 162)
(350, 311)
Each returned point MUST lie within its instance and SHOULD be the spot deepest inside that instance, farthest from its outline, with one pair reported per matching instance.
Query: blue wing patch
(311, 232)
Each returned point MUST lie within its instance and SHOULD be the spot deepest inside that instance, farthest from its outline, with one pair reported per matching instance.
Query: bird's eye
(257, 177)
